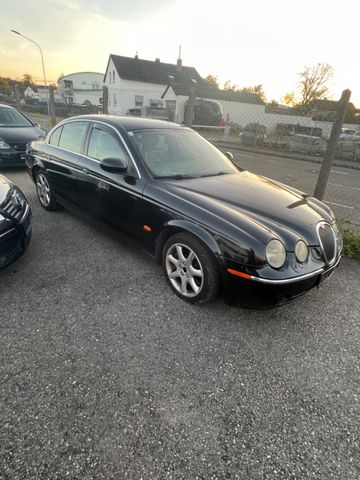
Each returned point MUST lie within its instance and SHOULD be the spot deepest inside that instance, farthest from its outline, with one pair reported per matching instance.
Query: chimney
(136, 55)
(157, 60)
(179, 61)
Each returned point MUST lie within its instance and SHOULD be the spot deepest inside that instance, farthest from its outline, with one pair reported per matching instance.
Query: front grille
(327, 239)
(16, 206)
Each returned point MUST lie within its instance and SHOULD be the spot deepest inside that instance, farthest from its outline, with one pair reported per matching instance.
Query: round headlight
(301, 251)
(275, 253)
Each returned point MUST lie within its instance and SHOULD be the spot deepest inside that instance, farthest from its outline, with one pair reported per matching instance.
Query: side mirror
(229, 155)
(113, 165)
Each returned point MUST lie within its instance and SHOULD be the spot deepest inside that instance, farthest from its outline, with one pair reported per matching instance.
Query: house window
(109, 77)
(113, 76)
(114, 97)
(68, 83)
(139, 100)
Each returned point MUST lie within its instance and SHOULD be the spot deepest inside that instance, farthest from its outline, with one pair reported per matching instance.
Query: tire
(45, 192)
(190, 268)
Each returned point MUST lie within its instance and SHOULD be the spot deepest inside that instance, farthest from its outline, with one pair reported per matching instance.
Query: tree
(273, 103)
(4, 84)
(313, 84)
(257, 89)
(212, 80)
(27, 79)
(231, 87)
(289, 99)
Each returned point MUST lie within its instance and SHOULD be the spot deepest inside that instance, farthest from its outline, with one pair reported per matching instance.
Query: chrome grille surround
(16, 206)
(328, 242)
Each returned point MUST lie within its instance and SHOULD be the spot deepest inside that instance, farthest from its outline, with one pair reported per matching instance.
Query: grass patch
(351, 238)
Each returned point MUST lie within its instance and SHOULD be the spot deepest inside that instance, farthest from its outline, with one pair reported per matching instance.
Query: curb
(351, 166)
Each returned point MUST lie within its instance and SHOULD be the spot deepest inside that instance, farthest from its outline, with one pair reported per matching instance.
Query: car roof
(2, 105)
(129, 123)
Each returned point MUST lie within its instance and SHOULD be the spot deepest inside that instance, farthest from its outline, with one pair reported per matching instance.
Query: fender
(35, 164)
(186, 226)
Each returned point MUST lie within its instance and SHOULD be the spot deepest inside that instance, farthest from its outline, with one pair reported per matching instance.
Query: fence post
(331, 146)
(17, 97)
(52, 106)
(189, 117)
(105, 99)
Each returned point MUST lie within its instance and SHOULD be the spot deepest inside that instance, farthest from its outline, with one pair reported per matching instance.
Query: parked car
(212, 225)
(207, 113)
(15, 222)
(16, 130)
(347, 134)
(253, 134)
(356, 137)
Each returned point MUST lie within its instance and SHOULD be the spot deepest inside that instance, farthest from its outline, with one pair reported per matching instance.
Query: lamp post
(42, 62)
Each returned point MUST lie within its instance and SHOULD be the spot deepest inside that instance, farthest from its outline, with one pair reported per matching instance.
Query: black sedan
(15, 222)
(210, 224)
(16, 130)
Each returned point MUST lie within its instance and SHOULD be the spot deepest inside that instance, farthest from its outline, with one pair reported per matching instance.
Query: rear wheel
(190, 268)
(44, 191)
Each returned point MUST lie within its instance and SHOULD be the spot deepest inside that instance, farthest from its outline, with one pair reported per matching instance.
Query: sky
(247, 42)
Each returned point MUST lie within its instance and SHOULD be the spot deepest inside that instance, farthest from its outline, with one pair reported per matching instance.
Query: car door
(113, 197)
(62, 159)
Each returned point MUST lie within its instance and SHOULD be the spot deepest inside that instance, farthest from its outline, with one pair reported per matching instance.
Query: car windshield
(180, 154)
(12, 118)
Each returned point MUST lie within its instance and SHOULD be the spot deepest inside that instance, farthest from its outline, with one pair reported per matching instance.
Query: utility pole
(189, 117)
(105, 99)
(42, 60)
(331, 146)
(17, 97)
(52, 106)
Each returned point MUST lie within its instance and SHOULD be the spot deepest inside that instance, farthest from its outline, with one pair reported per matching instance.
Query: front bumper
(257, 292)
(15, 239)
(12, 158)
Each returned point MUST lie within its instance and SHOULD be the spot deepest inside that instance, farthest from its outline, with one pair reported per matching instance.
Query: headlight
(275, 253)
(4, 145)
(301, 251)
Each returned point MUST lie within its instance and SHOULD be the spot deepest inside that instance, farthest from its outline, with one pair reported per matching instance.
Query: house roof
(216, 94)
(153, 72)
(330, 105)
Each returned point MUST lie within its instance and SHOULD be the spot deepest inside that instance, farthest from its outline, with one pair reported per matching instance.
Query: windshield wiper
(214, 174)
(178, 176)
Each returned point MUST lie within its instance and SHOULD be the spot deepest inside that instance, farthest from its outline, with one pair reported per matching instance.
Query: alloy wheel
(43, 190)
(184, 270)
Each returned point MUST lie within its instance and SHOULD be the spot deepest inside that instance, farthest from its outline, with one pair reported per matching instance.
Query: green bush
(351, 241)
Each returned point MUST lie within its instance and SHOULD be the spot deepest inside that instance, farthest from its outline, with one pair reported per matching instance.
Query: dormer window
(193, 80)
(171, 77)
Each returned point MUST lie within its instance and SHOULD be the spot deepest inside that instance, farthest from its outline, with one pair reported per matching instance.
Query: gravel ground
(105, 374)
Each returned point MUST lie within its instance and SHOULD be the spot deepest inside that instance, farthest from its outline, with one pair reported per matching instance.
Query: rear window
(72, 136)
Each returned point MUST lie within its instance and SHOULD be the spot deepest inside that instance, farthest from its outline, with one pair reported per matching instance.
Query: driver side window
(103, 144)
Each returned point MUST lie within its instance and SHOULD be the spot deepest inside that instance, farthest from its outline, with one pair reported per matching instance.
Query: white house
(133, 82)
(31, 92)
(81, 88)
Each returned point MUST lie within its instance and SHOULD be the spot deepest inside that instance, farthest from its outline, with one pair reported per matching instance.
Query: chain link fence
(274, 141)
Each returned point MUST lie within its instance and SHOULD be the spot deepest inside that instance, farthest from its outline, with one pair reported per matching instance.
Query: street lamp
(42, 61)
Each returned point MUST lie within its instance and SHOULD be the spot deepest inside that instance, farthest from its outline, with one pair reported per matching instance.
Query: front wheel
(45, 192)
(190, 268)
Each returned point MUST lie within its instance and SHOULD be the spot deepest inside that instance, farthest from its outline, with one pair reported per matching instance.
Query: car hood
(14, 135)
(5, 189)
(245, 199)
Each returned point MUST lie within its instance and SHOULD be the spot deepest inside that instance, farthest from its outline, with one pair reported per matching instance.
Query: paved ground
(105, 374)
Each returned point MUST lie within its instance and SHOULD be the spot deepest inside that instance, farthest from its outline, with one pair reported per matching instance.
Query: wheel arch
(184, 226)
(38, 165)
